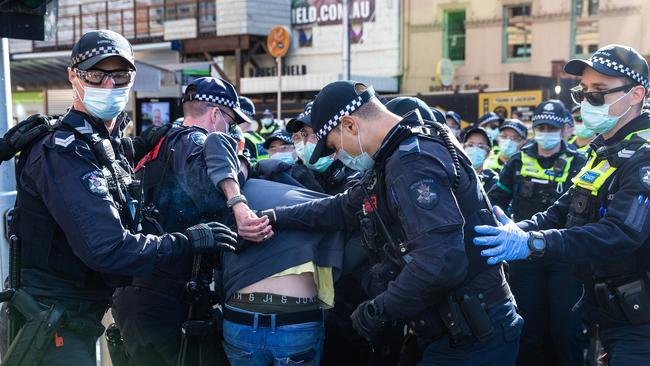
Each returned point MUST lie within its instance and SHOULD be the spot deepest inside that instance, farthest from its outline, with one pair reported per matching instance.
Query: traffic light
(28, 19)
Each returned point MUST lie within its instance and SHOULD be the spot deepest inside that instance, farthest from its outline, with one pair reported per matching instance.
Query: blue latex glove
(511, 242)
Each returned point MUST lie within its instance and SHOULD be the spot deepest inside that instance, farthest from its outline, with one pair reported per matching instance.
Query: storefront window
(585, 27)
(454, 35)
(517, 32)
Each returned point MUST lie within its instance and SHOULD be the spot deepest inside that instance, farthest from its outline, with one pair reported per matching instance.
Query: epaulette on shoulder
(60, 139)
(409, 146)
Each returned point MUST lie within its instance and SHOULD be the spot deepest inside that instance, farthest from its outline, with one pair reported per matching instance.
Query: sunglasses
(596, 98)
(97, 77)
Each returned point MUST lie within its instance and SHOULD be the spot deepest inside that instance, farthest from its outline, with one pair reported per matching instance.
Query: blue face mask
(362, 162)
(548, 140)
(493, 133)
(476, 156)
(597, 118)
(286, 157)
(105, 103)
(508, 147)
(583, 132)
(306, 151)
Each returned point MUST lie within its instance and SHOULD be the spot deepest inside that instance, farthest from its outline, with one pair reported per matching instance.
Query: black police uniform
(151, 310)
(545, 292)
(488, 178)
(73, 214)
(432, 260)
(607, 239)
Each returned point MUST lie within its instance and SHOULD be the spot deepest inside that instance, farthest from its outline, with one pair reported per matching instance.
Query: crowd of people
(364, 231)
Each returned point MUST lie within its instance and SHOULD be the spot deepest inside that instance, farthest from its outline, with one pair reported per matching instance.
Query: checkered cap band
(216, 99)
(336, 119)
(490, 119)
(284, 138)
(247, 112)
(622, 69)
(99, 51)
(549, 117)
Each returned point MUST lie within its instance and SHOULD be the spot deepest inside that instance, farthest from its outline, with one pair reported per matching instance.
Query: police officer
(332, 175)
(193, 176)
(583, 136)
(403, 105)
(74, 211)
(418, 191)
(512, 136)
(491, 122)
(601, 224)
(477, 146)
(453, 121)
(282, 165)
(254, 149)
(532, 180)
(269, 125)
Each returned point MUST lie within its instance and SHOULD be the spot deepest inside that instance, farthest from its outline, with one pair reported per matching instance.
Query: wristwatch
(536, 245)
(236, 199)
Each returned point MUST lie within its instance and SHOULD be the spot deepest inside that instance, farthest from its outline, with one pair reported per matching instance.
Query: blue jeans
(296, 344)
(501, 349)
(628, 345)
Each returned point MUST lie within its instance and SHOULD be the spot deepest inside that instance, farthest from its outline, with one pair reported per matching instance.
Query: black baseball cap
(614, 60)
(553, 113)
(337, 99)
(303, 119)
(281, 135)
(517, 126)
(215, 90)
(98, 45)
(246, 105)
(481, 131)
(403, 105)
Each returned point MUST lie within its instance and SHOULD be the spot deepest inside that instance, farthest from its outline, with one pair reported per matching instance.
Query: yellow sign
(505, 103)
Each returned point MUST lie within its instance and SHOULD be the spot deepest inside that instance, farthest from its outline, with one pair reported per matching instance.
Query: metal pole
(7, 174)
(346, 41)
(278, 60)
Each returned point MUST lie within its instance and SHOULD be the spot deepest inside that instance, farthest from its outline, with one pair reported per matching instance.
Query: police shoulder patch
(198, 138)
(95, 182)
(425, 193)
(644, 175)
(409, 146)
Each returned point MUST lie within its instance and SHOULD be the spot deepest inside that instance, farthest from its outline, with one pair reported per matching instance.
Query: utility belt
(624, 301)
(41, 319)
(464, 312)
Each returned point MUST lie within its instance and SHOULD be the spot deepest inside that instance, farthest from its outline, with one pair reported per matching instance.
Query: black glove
(368, 322)
(270, 213)
(23, 134)
(211, 237)
(148, 140)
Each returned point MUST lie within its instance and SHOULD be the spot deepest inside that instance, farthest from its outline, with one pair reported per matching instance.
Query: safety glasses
(596, 98)
(97, 77)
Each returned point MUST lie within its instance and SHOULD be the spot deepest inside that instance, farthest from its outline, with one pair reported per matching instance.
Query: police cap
(98, 45)
(218, 91)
